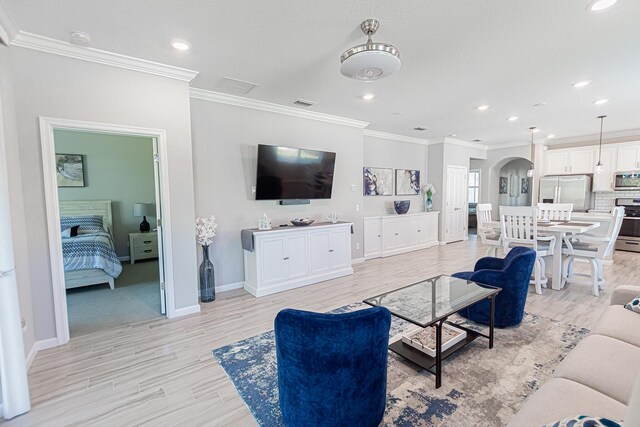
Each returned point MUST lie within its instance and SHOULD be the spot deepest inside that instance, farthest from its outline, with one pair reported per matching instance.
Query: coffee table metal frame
(434, 364)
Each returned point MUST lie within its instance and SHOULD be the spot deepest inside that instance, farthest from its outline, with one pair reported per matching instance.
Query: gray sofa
(599, 378)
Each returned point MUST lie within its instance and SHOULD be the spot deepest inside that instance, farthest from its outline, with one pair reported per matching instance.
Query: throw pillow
(634, 304)
(586, 421)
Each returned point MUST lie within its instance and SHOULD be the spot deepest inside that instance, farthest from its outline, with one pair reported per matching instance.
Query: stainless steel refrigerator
(574, 189)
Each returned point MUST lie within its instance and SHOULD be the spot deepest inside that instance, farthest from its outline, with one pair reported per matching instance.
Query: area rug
(480, 387)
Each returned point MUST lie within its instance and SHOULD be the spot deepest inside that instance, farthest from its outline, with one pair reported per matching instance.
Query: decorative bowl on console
(401, 206)
(301, 222)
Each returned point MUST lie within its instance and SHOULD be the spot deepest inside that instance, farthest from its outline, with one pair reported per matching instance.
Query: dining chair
(520, 228)
(555, 211)
(593, 249)
(488, 235)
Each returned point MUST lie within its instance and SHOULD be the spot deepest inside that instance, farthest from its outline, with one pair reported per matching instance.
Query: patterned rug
(480, 387)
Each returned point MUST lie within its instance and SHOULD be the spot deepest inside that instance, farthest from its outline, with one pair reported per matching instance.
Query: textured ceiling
(456, 55)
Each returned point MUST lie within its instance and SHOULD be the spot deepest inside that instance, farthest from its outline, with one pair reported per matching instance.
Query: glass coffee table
(430, 303)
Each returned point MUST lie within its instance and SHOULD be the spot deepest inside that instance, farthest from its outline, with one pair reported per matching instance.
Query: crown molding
(508, 145)
(8, 27)
(57, 47)
(616, 136)
(469, 144)
(238, 101)
(394, 137)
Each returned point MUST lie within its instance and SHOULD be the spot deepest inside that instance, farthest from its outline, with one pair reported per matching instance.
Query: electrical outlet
(353, 187)
(357, 245)
(357, 208)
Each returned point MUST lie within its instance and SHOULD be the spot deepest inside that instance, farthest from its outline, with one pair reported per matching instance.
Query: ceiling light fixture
(597, 5)
(581, 84)
(531, 172)
(180, 45)
(370, 61)
(601, 101)
(368, 96)
(599, 165)
(513, 118)
(483, 107)
(551, 136)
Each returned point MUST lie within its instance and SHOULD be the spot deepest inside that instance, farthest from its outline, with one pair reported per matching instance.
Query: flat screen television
(286, 173)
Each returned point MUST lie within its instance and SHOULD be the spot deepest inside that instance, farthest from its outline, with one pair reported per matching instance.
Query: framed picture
(524, 186)
(70, 170)
(377, 181)
(504, 185)
(407, 182)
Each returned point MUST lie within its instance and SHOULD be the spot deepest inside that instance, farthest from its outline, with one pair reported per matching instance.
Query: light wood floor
(162, 372)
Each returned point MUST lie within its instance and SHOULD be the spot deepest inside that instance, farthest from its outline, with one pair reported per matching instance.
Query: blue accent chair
(512, 275)
(332, 368)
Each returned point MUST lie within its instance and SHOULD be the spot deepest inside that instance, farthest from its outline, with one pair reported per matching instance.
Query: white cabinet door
(393, 234)
(274, 261)
(339, 249)
(372, 237)
(556, 162)
(296, 250)
(432, 228)
(319, 251)
(603, 181)
(413, 230)
(628, 159)
(423, 229)
(581, 161)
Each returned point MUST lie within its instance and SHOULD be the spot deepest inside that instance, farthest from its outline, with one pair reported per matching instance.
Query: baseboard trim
(357, 260)
(124, 258)
(39, 346)
(185, 311)
(230, 286)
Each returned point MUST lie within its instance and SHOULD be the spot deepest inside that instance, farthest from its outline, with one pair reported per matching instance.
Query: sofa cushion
(560, 398)
(616, 322)
(604, 364)
(585, 421)
(634, 304)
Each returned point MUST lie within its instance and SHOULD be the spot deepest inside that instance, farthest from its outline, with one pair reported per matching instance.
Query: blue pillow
(634, 304)
(87, 223)
(586, 421)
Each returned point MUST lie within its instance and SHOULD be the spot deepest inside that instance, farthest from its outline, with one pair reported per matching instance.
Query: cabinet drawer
(145, 241)
(146, 252)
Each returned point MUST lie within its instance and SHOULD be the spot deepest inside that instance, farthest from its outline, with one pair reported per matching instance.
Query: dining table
(559, 229)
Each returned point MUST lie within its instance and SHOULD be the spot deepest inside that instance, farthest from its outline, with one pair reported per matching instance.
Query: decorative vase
(401, 206)
(429, 204)
(207, 278)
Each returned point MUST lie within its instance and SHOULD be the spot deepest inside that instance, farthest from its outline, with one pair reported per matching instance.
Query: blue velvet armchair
(332, 368)
(512, 274)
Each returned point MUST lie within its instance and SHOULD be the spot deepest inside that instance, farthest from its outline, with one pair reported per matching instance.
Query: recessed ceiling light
(368, 96)
(483, 107)
(453, 134)
(513, 118)
(551, 136)
(601, 101)
(581, 84)
(180, 44)
(601, 4)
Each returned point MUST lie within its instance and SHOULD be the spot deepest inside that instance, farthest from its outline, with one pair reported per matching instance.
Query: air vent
(235, 87)
(539, 104)
(420, 128)
(303, 103)
(477, 140)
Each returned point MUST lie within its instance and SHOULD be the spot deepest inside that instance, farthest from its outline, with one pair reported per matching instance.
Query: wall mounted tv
(286, 173)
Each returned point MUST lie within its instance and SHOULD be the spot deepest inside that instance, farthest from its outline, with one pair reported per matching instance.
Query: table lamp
(143, 209)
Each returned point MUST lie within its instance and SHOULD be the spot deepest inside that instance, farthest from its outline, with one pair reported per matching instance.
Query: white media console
(396, 234)
(290, 257)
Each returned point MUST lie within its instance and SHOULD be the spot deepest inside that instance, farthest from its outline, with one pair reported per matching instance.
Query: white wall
(386, 153)
(516, 170)
(61, 87)
(117, 168)
(225, 140)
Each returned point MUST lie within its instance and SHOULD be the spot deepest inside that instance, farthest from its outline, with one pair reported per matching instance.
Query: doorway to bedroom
(108, 204)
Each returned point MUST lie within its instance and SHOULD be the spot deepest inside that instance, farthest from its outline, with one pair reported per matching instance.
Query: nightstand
(143, 246)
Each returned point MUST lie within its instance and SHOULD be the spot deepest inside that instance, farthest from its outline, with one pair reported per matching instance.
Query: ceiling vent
(420, 128)
(234, 86)
(303, 103)
(477, 140)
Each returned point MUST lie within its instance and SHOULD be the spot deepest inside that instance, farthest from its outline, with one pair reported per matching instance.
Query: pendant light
(599, 165)
(531, 172)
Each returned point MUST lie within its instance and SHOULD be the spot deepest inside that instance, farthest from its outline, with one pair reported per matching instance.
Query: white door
(339, 249)
(319, 251)
(556, 162)
(159, 229)
(372, 238)
(273, 260)
(456, 203)
(581, 161)
(603, 181)
(296, 254)
(627, 159)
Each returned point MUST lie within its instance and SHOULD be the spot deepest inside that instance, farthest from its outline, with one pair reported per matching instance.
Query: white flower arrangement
(206, 230)
(429, 189)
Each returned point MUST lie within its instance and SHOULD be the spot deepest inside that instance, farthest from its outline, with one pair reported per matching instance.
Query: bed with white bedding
(89, 258)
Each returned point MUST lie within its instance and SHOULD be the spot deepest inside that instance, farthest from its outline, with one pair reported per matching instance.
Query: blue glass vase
(207, 277)
(429, 205)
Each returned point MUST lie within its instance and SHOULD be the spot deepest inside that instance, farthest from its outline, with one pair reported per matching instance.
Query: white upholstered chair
(488, 235)
(555, 211)
(520, 228)
(593, 249)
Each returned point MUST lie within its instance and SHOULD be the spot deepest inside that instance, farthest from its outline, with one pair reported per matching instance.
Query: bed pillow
(634, 304)
(585, 421)
(87, 223)
(71, 231)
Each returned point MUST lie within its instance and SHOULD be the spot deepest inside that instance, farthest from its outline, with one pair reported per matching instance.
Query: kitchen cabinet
(569, 162)
(628, 159)
(604, 180)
